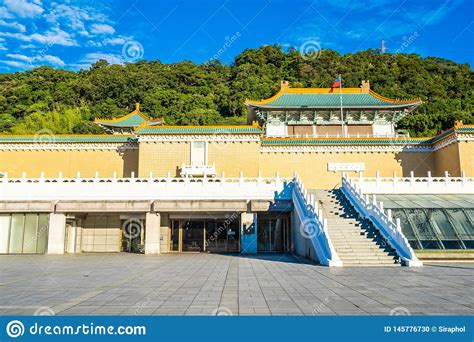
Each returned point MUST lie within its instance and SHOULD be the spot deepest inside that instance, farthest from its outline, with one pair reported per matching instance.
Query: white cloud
(5, 14)
(20, 57)
(14, 25)
(55, 36)
(24, 61)
(53, 60)
(16, 64)
(102, 29)
(24, 8)
(28, 46)
(109, 57)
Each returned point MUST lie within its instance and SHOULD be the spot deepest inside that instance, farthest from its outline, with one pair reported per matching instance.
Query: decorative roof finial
(284, 85)
(458, 124)
(365, 86)
(137, 106)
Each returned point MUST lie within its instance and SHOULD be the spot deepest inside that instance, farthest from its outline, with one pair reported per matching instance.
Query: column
(152, 233)
(248, 233)
(56, 232)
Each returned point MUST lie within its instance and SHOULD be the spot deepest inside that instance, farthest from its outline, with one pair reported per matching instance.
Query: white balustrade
(368, 208)
(312, 224)
(415, 185)
(198, 170)
(141, 188)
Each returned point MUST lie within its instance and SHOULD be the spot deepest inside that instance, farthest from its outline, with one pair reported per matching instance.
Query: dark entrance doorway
(273, 234)
(207, 235)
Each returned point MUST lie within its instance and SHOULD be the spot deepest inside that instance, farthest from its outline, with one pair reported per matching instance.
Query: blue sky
(74, 34)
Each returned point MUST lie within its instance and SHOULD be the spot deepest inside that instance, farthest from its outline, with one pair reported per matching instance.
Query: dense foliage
(212, 93)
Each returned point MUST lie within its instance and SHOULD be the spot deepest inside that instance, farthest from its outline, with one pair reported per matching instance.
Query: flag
(336, 83)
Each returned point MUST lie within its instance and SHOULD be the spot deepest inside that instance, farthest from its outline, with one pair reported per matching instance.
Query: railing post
(463, 178)
(446, 178)
(429, 178)
(114, 177)
(97, 175)
(394, 179)
(399, 226)
(412, 179)
(389, 214)
(241, 178)
(168, 178)
(41, 177)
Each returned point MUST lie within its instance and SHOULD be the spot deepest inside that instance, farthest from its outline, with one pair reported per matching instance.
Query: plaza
(231, 284)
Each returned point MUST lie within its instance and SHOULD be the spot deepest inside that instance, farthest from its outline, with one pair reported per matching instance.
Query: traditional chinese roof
(131, 120)
(330, 98)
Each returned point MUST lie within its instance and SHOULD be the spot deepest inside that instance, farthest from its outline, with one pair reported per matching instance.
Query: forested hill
(189, 94)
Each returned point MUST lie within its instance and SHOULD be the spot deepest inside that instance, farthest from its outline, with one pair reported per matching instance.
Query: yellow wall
(51, 162)
(162, 157)
(230, 157)
(447, 159)
(466, 157)
(233, 157)
(312, 167)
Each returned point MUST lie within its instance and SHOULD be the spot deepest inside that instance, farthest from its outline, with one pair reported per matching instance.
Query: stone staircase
(355, 239)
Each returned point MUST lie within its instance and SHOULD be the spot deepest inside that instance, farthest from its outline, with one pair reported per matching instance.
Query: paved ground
(203, 284)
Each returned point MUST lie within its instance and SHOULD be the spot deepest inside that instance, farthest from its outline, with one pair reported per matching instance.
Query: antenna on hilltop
(382, 46)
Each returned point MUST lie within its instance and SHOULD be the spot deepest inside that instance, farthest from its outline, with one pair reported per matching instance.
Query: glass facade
(23, 233)
(435, 228)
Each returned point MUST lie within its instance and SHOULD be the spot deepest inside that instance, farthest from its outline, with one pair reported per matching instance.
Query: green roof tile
(362, 100)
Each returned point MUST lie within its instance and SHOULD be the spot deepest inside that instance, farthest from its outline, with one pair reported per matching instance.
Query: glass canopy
(434, 221)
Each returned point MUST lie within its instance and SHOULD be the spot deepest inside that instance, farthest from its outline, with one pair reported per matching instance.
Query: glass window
(29, 238)
(16, 233)
(42, 234)
(4, 232)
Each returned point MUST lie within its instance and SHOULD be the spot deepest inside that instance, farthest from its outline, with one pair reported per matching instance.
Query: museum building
(323, 173)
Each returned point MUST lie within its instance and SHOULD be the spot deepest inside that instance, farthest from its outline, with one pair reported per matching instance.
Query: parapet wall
(453, 151)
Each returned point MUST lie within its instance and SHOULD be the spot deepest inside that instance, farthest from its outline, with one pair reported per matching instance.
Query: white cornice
(344, 149)
(67, 146)
(200, 137)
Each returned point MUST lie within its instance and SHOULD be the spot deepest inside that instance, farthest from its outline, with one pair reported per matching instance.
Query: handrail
(143, 188)
(383, 221)
(415, 185)
(313, 225)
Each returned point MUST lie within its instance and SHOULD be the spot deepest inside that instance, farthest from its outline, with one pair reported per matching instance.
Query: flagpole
(340, 97)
